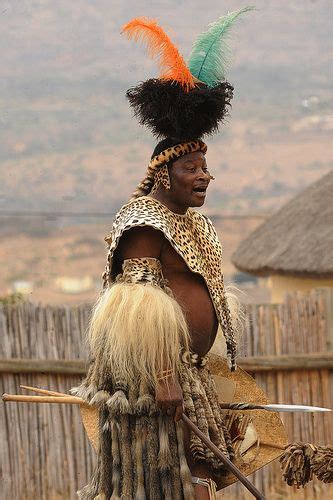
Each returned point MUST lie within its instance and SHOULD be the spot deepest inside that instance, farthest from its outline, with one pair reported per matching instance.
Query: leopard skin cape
(193, 237)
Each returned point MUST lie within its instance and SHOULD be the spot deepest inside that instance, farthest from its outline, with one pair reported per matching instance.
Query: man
(189, 177)
(163, 297)
(149, 354)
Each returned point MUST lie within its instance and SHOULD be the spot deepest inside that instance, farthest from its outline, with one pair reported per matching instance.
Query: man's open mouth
(201, 191)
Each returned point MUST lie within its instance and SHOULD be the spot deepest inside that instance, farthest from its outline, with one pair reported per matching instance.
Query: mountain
(69, 142)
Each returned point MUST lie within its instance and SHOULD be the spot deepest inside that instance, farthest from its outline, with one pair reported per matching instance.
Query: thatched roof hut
(297, 241)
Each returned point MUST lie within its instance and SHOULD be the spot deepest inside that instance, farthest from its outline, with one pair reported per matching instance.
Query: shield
(262, 436)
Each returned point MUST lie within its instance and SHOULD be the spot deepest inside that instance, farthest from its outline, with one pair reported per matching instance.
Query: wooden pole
(285, 362)
(225, 460)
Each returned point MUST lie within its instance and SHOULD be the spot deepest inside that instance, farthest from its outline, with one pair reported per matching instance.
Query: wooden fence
(45, 453)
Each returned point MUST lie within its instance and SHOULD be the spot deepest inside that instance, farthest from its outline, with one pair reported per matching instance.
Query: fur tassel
(116, 462)
(100, 398)
(106, 427)
(83, 391)
(160, 46)
(145, 405)
(136, 331)
(164, 458)
(296, 464)
(152, 460)
(322, 464)
(86, 493)
(164, 455)
(300, 461)
(127, 465)
(118, 404)
(237, 314)
(90, 491)
(184, 471)
(140, 493)
(175, 482)
(237, 311)
(200, 418)
(105, 458)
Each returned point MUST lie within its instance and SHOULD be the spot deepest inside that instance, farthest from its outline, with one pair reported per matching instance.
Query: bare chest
(191, 293)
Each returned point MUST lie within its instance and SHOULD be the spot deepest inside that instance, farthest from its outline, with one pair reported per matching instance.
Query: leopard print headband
(160, 161)
(176, 152)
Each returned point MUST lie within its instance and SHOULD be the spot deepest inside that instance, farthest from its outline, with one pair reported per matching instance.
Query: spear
(59, 397)
(224, 459)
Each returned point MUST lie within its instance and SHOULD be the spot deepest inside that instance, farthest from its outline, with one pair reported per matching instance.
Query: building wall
(283, 284)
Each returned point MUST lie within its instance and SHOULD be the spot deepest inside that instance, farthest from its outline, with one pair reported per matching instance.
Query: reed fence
(45, 452)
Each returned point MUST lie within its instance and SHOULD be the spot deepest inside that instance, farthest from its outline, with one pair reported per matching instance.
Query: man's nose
(204, 174)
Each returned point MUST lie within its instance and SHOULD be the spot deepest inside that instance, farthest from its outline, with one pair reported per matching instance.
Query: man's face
(189, 179)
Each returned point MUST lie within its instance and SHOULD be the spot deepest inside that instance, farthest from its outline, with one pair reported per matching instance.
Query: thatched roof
(297, 240)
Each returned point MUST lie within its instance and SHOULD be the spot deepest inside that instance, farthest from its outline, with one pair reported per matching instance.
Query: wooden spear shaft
(42, 399)
(43, 391)
(225, 460)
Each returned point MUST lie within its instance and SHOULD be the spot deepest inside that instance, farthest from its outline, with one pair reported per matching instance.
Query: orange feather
(159, 45)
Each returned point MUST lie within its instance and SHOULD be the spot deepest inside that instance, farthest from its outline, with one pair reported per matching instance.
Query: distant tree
(12, 298)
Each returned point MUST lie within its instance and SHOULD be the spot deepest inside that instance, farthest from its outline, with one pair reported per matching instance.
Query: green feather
(209, 56)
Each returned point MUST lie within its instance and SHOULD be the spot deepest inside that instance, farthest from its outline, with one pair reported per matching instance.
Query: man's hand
(169, 397)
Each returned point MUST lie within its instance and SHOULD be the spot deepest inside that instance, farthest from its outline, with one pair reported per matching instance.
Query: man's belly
(191, 293)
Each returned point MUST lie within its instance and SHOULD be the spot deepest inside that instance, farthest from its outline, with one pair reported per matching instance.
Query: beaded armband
(144, 270)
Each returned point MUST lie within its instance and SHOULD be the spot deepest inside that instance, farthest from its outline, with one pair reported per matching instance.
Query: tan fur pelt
(202, 407)
(137, 330)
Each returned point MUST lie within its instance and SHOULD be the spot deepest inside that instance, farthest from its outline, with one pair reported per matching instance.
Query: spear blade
(273, 407)
(304, 408)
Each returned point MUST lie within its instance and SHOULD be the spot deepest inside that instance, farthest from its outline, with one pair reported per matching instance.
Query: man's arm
(141, 242)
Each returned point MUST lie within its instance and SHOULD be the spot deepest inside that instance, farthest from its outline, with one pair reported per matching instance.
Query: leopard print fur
(142, 270)
(177, 151)
(193, 237)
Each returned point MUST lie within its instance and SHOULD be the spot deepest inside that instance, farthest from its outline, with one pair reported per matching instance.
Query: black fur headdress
(169, 111)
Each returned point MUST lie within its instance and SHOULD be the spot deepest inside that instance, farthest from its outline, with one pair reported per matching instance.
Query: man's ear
(170, 166)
